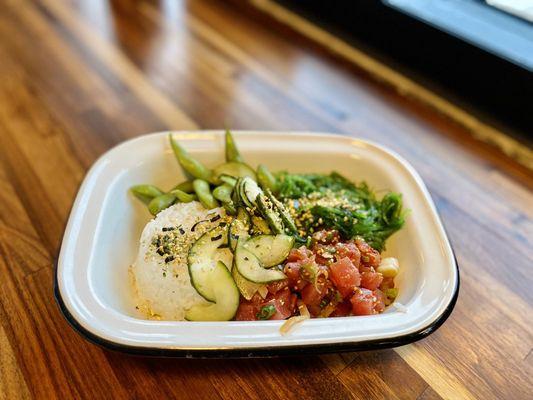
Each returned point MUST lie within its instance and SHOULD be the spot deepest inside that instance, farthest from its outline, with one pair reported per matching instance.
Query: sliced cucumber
(249, 191)
(247, 288)
(270, 213)
(283, 213)
(271, 250)
(243, 215)
(238, 195)
(200, 260)
(230, 208)
(260, 226)
(238, 228)
(250, 267)
(225, 295)
(235, 195)
(234, 169)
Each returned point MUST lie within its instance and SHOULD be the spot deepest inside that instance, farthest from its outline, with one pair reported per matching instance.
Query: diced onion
(293, 321)
(304, 312)
(389, 267)
(322, 272)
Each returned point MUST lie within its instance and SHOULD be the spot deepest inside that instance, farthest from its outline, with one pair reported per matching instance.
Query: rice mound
(164, 290)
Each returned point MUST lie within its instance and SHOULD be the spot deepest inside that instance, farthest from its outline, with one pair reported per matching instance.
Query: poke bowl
(208, 271)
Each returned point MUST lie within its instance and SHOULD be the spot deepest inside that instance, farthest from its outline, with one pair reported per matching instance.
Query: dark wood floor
(78, 77)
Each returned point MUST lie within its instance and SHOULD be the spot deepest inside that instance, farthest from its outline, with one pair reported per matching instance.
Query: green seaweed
(363, 214)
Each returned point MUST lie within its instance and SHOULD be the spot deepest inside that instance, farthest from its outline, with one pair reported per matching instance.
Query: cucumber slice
(238, 228)
(249, 191)
(283, 213)
(243, 215)
(230, 208)
(225, 295)
(250, 267)
(239, 195)
(270, 213)
(236, 194)
(260, 226)
(200, 260)
(234, 169)
(271, 250)
(247, 288)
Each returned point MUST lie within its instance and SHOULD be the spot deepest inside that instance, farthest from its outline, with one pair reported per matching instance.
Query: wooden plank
(56, 361)
(12, 383)
(441, 380)
(18, 238)
(159, 104)
(286, 378)
(147, 378)
(429, 394)
(382, 375)
(98, 111)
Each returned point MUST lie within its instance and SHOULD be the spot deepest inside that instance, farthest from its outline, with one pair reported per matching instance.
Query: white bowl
(100, 242)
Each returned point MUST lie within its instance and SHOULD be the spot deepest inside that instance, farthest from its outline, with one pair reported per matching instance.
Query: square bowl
(101, 238)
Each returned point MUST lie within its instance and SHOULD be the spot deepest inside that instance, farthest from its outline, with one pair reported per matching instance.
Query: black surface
(490, 86)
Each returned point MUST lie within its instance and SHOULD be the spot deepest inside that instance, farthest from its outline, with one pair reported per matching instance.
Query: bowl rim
(264, 351)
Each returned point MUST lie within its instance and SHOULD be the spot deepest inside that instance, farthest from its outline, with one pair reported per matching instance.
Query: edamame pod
(201, 188)
(232, 153)
(159, 203)
(223, 193)
(184, 187)
(191, 166)
(230, 180)
(266, 179)
(146, 193)
(183, 197)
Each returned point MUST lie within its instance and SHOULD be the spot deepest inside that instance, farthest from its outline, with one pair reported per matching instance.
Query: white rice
(164, 290)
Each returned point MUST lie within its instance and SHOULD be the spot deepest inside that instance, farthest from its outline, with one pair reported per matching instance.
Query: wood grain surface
(77, 77)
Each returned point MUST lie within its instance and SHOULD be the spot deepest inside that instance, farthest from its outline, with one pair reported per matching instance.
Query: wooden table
(77, 78)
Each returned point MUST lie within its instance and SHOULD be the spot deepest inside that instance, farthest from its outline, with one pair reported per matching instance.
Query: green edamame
(266, 179)
(184, 187)
(146, 193)
(201, 188)
(183, 197)
(232, 152)
(230, 180)
(190, 165)
(159, 203)
(223, 193)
